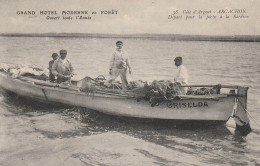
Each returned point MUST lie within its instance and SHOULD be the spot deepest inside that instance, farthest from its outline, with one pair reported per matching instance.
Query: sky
(133, 17)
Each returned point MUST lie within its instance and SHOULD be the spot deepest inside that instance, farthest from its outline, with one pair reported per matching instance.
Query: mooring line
(248, 113)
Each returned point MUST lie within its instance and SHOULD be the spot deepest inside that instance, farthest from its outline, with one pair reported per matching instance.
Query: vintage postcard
(120, 82)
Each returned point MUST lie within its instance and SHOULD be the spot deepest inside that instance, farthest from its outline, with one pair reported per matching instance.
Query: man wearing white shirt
(181, 74)
(62, 68)
(118, 65)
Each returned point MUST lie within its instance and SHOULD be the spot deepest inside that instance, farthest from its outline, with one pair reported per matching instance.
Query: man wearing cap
(118, 65)
(62, 68)
(55, 56)
(181, 76)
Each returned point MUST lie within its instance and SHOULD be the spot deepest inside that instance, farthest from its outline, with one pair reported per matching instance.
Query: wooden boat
(217, 107)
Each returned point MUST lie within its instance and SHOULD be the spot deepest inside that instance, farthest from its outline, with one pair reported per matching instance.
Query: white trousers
(115, 73)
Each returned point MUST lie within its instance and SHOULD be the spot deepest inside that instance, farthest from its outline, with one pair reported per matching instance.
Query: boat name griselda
(187, 105)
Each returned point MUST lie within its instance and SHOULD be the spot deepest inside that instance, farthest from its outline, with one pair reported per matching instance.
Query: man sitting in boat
(118, 65)
(55, 56)
(181, 76)
(62, 68)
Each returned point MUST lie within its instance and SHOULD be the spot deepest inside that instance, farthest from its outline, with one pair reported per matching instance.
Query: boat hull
(217, 109)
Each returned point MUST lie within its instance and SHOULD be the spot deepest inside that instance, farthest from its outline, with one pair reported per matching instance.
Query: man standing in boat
(181, 76)
(62, 68)
(118, 65)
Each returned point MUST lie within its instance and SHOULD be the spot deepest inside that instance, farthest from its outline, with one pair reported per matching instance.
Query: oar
(43, 83)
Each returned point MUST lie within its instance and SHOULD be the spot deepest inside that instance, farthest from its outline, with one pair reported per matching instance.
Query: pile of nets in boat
(24, 70)
(91, 85)
(155, 92)
(161, 91)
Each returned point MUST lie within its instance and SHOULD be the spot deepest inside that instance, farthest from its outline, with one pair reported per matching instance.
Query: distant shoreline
(169, 37)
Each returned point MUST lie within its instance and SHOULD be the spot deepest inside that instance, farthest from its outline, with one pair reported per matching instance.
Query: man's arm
(111, 63)
(128, 63)
(71, 68)
(50, 65)
(54, 68)
(183, 76)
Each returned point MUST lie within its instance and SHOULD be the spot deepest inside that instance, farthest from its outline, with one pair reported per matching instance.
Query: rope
(248, 113)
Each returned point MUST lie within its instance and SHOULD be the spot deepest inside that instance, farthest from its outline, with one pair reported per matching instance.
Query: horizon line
(117, 34)
(171, 37)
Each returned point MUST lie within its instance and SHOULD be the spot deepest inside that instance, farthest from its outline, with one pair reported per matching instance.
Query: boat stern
(240, 112)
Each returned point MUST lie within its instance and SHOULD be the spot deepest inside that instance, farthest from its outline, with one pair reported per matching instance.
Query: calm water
(35, 134)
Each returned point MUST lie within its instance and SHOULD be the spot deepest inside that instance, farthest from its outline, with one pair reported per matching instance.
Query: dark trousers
(52, 77)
